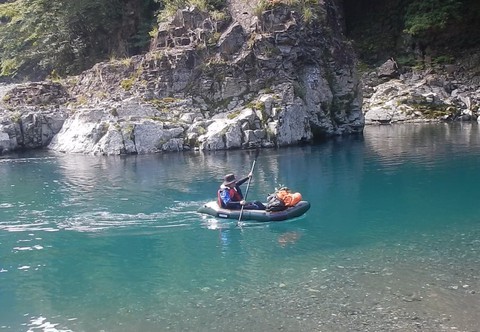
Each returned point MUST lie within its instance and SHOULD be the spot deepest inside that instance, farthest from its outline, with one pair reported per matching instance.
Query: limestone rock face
(97, 131)
(247, 79)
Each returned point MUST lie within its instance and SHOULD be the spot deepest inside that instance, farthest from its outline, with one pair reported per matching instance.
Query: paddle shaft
(248, 186)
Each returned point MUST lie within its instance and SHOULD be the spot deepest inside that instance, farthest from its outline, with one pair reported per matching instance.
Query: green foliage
(154, 32)
(170, 7)
(434, 111)
(8, 67)
(406, 60)
(309, 9)
(233, 115)
(54, 77)
(129, 131)
(261, 6)
(163, 105)
(308, 14)
(430, 15)
(443, 59)
(39, 36)
(257, 105)
(127, 83)
(213, 39)
(16, 117)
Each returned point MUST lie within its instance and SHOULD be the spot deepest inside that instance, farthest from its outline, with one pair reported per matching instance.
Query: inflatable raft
(213, 209)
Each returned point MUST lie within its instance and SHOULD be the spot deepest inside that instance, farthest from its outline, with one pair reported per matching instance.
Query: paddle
(248, 186)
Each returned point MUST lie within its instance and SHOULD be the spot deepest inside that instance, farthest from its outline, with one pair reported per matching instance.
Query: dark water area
(391, 242)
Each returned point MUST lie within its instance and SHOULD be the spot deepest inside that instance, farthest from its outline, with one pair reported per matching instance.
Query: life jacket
(233, 193)
(288, 198)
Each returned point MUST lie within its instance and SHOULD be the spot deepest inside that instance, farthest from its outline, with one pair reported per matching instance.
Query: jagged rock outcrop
(29, 128)
(434, 94)
(213, 84)
(30, 121)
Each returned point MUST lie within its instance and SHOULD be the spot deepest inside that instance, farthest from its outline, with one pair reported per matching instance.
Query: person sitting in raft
(230, 195)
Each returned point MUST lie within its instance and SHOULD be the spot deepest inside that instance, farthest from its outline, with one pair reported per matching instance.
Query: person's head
(229, 180)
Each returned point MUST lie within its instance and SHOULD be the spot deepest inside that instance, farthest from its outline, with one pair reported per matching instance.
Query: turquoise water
(115, 244)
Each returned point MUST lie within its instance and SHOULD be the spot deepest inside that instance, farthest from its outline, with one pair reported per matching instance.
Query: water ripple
(27, 227)
(180, 215)
(42, 324)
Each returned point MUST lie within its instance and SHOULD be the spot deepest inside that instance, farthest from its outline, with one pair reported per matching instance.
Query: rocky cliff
(396, 94)
(248, 78)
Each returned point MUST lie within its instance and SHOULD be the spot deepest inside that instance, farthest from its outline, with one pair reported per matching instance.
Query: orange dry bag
(288, 198)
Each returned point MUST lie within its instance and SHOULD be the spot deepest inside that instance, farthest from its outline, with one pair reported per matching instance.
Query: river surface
(391, 242)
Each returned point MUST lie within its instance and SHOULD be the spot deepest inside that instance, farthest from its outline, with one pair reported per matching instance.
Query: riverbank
(207, 83)
(184, 98)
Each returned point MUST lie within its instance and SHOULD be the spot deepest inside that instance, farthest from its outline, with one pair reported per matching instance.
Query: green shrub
(171, 7)
(127, 83)
(233, 115)
(39, 36)
(430, 15)
(443, 59)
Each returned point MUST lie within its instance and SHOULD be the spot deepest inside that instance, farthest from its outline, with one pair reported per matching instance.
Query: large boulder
(29, 128)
